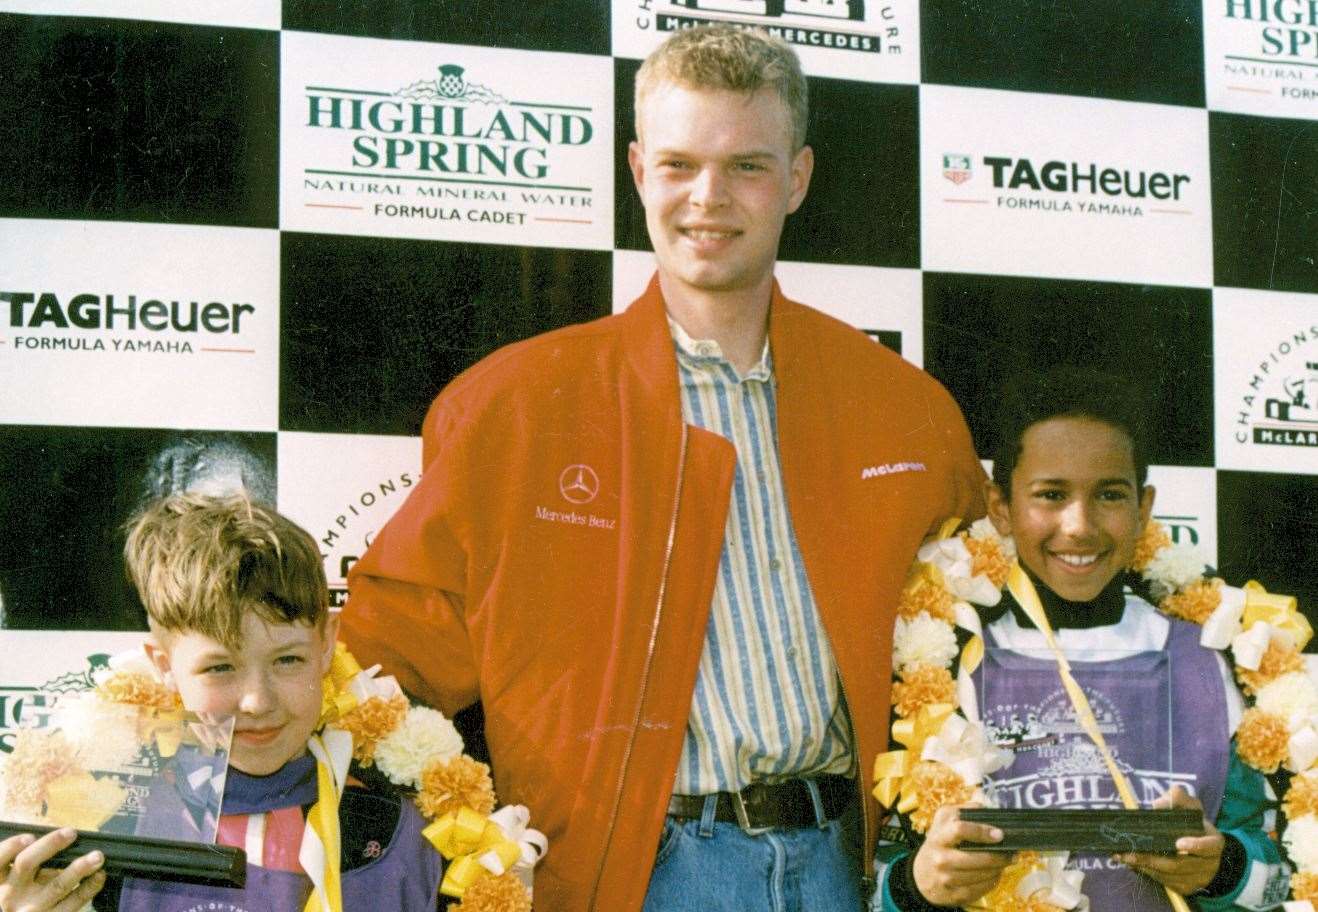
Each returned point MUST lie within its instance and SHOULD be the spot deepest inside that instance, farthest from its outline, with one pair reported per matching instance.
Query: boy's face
(271, 685)
(717, 175)
(1074, 510)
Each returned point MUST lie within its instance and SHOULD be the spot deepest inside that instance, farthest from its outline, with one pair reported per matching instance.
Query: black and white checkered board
(254, 244)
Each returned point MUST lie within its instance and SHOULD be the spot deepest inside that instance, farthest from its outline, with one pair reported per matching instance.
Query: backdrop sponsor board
(1025, 184)
(447, 142)
(1186, 503)
(869, 40)
(176, 337)
(342, 488)
(1261, 57)
(40, 665)
(1266, 367)
(262, 14)
(883, 303)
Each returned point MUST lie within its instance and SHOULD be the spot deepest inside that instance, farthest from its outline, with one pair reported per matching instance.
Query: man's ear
(999, 507)
(636, 161)
(803, 165)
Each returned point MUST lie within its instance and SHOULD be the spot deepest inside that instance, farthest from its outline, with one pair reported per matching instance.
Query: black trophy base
(151, 859)
(1094, 831)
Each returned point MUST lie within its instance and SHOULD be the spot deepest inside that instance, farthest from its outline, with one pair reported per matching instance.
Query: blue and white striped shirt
(768, 702)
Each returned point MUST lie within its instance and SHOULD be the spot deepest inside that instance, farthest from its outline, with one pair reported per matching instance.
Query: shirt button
(775, 565)
(791, 653)
(704, 349)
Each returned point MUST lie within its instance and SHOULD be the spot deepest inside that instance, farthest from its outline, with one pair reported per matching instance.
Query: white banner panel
(869, 40)
(886, 304)
(1186, 503)
(1017, 183)
(262, 14)
(164, 326)
(445, 142)
(1265, 365)
(39, 665)
(342, 488)
(1261, 57)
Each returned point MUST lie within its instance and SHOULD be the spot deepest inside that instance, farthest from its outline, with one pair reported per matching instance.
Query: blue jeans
(708, 866)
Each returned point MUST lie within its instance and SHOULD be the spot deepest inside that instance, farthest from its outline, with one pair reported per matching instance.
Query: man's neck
(738, 321)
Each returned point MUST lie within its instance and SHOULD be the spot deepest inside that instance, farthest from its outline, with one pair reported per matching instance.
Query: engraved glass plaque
(148, 779)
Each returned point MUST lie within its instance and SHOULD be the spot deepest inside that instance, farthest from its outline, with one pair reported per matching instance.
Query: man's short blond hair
(729, 58)
(201, 563)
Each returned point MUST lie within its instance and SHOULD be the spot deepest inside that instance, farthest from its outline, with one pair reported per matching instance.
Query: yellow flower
(452, 785)
(1262, 740)
(495, 894)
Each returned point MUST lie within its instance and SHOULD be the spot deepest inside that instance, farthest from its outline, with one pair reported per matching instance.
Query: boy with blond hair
(240, 625)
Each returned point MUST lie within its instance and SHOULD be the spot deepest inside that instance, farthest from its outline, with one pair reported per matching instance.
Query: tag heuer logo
(956, 168)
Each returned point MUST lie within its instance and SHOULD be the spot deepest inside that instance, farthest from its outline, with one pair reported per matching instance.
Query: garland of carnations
(947, 755)
(367, 718)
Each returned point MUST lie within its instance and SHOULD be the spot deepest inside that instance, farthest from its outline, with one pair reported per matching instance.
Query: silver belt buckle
(743, 820)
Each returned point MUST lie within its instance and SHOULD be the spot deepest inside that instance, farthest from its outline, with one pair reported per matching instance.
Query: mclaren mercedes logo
(578, 484)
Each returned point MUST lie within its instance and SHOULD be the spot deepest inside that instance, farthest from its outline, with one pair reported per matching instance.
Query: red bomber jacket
(557, 561)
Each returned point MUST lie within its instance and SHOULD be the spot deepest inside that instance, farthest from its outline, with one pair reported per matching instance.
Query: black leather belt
(760, 806)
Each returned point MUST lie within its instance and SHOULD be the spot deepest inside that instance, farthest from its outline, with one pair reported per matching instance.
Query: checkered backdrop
(252, 244)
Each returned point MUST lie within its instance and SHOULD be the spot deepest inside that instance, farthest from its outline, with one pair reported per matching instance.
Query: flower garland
(947, 756)
(490, 853)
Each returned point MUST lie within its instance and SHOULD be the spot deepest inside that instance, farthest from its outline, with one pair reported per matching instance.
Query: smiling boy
(239, 617)
(1070, 487)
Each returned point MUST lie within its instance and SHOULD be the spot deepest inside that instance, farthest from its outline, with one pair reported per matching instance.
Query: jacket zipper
(649, 658)
(867, 879)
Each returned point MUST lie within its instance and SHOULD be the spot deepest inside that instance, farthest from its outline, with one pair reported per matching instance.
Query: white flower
(1291, 695)
(424, 736)
(954, 561)
(1302, 842)
(983, 529)
(103, 732)
(923, 641)
(1174, 568)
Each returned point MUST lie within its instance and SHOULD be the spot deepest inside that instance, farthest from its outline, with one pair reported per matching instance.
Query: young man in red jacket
(664, 548)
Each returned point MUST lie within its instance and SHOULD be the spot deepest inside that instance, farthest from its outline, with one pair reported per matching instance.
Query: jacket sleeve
(967, 474)
(406, 594)
(1265, 878)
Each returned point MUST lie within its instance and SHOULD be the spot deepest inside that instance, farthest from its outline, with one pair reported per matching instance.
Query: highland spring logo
(1281, 405)
(1262, 48)
(844, 25)
(448, 148)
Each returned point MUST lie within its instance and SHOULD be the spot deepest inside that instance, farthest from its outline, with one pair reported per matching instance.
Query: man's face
(717, 176)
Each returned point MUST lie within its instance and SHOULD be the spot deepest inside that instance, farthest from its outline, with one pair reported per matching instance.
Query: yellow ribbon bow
(474, 844)
(337, 700)
(1278, 610)
(892, 768)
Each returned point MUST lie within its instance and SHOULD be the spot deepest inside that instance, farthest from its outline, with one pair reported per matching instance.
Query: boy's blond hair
(730, 58)
(200, 563)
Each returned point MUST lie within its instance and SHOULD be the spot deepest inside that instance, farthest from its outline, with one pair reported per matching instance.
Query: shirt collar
(697, 352)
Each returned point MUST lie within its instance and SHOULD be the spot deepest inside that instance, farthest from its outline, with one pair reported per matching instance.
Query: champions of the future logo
(844, 25)
(1280, 406)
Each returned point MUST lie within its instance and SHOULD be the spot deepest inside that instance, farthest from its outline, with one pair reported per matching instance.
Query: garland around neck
(947, 755)
(367, 718)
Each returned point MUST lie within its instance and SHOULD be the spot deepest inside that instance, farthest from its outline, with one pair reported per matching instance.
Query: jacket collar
(653, 358)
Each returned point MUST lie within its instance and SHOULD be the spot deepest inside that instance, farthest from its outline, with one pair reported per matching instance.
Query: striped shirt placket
(767, 703)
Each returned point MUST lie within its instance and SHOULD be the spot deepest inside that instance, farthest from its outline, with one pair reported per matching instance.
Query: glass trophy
(1059, 792)
(143, 784)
